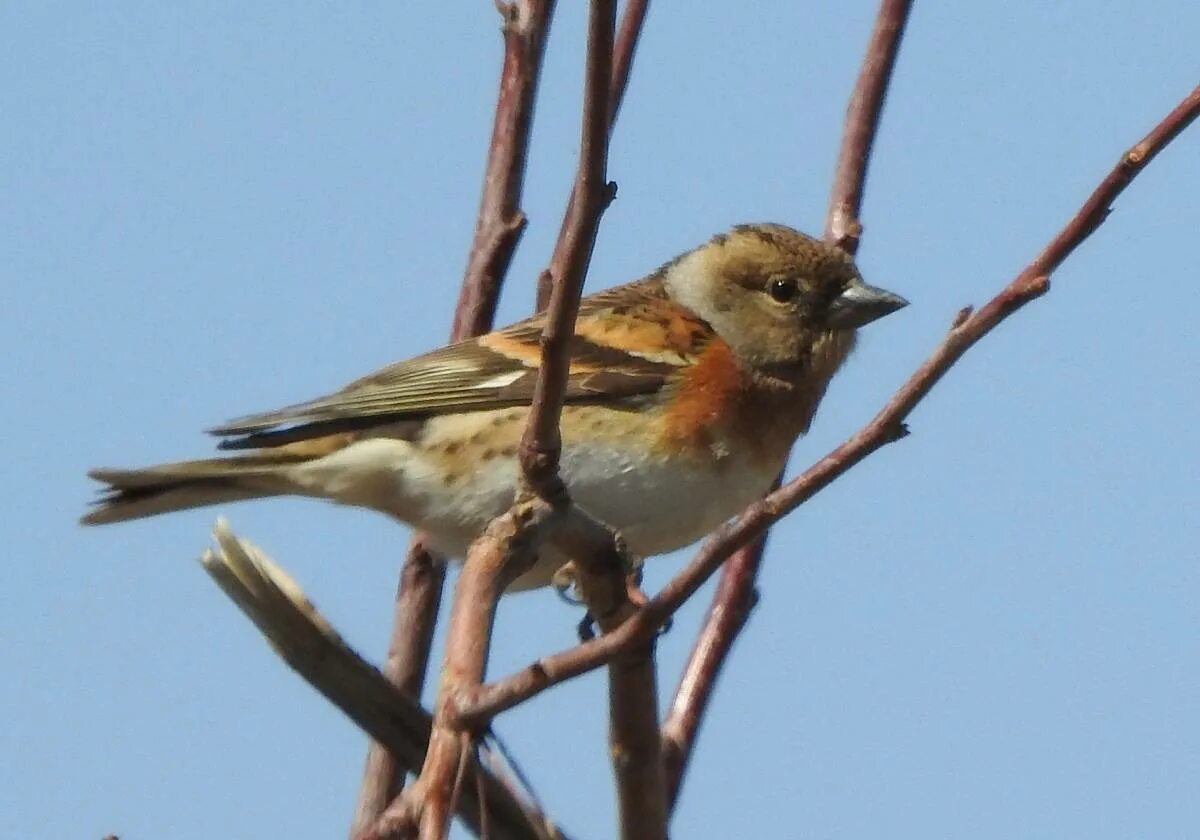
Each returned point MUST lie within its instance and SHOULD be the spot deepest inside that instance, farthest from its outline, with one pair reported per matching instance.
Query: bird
(685, 393)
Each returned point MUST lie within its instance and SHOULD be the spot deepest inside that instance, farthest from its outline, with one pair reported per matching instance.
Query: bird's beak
(861, 304)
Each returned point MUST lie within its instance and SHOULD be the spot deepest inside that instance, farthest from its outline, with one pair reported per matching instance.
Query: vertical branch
(509, 543)
(497, 232)
(541, 443)
(633, 691)
(735, 596)
(636, 745)
(505, 549)
(501, 222)
(418, 599)
(623, 51)
(842, 226)
(622, 64)
(633, 698)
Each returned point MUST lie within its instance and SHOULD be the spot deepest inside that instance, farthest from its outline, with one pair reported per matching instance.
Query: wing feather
(608, 361)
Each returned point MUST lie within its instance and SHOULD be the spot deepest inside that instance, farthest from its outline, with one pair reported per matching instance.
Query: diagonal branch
(507, 547)
(501, 222)
(624, 50)
(510, 542)
(842, 226)
(635, 745)
(630, 30)
(887, 426)
(418, 601)
(312, 648)
(732, 603)
(736, 594)
(541, 444)
(497, 232)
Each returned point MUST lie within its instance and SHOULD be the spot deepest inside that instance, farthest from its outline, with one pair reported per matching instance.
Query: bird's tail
(133, 494)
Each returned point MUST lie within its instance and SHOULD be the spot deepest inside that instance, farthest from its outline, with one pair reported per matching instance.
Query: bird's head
(776, 296)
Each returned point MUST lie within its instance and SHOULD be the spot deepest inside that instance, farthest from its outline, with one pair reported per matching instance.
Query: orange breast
(719, 405)
(709, 392)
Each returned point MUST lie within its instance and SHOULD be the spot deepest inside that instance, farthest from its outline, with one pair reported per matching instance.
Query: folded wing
(629, 341)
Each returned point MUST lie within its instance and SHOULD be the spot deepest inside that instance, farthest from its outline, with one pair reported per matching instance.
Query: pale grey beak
(861, 304)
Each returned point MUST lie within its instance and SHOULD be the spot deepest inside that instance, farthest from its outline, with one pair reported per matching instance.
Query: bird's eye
(781, 289)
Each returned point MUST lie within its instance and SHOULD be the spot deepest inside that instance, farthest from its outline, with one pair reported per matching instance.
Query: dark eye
(781, 289)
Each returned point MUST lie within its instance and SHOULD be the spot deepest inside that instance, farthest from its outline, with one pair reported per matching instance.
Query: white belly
(659, 506)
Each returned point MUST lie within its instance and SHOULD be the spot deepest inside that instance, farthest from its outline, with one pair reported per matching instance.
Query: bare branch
(510, 541)
(732, 603)
(400, 820)
(842, 226)
(506, 548)
(541, 444)
(632, 21)
(627, 38)
(501, 222)
(636, 744)
(497, 232)
(311, 647)
(735, 596)
(1096, 209)
(634, 738)
(887, 426)
(633, 697)
(418, 601)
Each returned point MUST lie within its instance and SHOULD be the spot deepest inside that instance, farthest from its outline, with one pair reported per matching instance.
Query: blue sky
(987, 630)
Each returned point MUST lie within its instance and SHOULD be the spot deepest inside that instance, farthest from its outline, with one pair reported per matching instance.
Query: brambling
(685, 394)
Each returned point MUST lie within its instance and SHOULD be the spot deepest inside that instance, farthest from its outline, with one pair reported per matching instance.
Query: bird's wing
(628, 341)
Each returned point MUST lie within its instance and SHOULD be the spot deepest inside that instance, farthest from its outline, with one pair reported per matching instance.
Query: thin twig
(843, 227)
(633, 696)
(500, 222)
(506, 548)
(509, 543)
(636, 744)
(736, 595)
(732, 603)
(600, 559)
(887, 426)
(418, 601)
(630, 31)
(541, 443)
(497, 232)
(311, 647)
